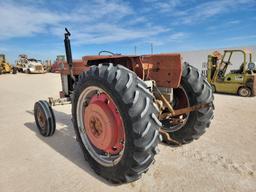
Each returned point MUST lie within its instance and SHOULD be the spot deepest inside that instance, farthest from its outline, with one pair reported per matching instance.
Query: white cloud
(243, 37)
(19, 21)
(210, 9)
(174, 37)
(193, 12)
(234, 22)
(112, 33)
(179, 36)
(97, 22)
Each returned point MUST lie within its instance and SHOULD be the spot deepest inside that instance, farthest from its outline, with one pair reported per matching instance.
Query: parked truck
(29, 65)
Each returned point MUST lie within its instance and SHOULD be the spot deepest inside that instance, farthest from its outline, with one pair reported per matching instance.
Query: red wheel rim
(103, 124)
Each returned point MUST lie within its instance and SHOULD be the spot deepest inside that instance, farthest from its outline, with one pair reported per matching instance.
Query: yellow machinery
(223, 75)
(6, 67)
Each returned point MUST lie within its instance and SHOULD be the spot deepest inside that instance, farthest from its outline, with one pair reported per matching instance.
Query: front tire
(44, 117)
(244, 92)
(134, 104)
(197, 91)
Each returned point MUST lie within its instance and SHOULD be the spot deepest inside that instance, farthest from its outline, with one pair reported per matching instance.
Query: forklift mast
(211, 67)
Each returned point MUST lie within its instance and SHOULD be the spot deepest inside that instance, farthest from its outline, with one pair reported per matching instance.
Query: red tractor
(123, 106)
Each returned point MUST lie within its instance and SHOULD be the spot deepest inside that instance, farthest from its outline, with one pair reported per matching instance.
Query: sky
(37, 27)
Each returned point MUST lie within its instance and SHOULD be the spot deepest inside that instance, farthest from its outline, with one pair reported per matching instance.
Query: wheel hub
(103, 124)
(95, 126)
(244, 92)
(41, 118)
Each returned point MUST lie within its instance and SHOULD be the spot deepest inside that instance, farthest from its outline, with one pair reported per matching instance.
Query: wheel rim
(41, 118)
(244, 92)
(181, 101)
(100, 126)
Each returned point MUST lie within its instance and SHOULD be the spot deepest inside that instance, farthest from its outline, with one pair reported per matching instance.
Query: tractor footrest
(59, 101)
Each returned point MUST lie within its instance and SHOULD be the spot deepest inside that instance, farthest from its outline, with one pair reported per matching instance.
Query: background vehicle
(47, 65)
(56, 66)
(233, 73)
(26, 65)
(5, 67)
(122, 106)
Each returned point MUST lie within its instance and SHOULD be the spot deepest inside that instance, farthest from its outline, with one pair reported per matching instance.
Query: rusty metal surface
(182, 111)
(78, 67)
(100, 57)
(165, 69)
(129, 61)
(190, 109)
(167, 138)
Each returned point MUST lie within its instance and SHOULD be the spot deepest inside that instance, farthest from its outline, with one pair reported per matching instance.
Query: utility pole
(135, 50)
(152, 48)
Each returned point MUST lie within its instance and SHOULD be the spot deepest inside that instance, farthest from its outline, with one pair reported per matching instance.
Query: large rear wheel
(115, 122)
(194, 90)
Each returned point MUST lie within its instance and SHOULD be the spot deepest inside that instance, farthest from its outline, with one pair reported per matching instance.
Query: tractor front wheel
(44, 117)
(115, 122)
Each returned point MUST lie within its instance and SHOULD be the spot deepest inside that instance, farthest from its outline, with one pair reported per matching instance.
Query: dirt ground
(224, 159)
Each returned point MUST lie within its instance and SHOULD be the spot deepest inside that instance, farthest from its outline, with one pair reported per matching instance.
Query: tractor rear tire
(134, 105)
(198, 91)
(45, 119)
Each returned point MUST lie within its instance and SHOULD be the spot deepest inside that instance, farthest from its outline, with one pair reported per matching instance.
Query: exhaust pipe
(69, 53)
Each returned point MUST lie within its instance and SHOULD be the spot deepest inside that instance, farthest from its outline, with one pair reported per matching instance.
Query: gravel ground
(224, 159)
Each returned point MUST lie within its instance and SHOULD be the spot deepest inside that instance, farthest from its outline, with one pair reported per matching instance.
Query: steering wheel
(221, 74)
(109, 52)
(251, 66)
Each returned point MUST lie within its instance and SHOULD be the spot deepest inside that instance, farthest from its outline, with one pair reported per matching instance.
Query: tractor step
(59, 101)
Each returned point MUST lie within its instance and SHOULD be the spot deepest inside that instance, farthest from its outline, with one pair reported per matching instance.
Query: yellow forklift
(232, 73)
(6, 67)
